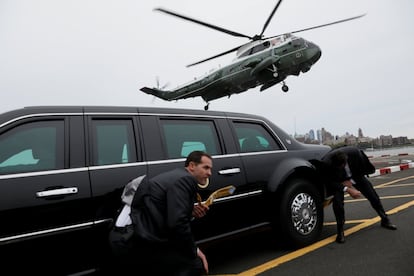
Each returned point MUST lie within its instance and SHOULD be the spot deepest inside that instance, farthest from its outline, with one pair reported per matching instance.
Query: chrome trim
(226, 155)
(253, 193)
(113, 166)
(30, 174)
(184, 115)
(228, 234)
(261, 152)
(15, 238)
(155, 162)
(229, 171)
(43, 232)
(231, 197)
(58, 192)
(111, 113)
(40, 115)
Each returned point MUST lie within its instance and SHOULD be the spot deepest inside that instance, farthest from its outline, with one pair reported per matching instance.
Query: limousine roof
(29, 111)
(118, 110)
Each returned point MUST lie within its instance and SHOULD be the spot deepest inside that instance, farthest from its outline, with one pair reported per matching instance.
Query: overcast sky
(100, 52)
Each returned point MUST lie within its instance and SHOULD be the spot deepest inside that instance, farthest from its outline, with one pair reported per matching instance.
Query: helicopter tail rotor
(158, 87)
(158, 84)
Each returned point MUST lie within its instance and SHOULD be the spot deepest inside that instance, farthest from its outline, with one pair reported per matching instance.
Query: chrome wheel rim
(304, 213)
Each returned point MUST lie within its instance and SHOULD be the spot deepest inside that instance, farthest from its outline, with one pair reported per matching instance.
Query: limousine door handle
(229, 171)
(57, 192)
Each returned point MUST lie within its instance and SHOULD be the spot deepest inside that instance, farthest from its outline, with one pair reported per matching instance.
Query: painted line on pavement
(361, 224)
(303, 251)
(382, 197)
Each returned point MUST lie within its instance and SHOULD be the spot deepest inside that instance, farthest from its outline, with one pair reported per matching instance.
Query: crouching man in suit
(161, 240)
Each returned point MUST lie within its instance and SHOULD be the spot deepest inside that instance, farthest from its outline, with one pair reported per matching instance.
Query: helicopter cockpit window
(256, 49)
(247, 53)
(261, 47)
(277, 40)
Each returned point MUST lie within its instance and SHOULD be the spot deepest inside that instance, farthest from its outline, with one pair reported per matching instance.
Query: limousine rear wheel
(300, 213)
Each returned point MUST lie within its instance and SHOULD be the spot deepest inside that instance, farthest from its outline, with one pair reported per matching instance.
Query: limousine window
(33, 146)
(184, 136)
(254, 137)
(113, 142)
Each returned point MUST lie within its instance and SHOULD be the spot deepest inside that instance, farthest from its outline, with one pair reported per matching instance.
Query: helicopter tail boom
(165, 95)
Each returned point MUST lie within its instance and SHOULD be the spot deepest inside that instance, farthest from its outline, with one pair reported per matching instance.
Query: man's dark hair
(195, 157)
(339, 158)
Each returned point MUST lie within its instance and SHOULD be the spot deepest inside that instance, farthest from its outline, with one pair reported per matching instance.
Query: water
(390, 151)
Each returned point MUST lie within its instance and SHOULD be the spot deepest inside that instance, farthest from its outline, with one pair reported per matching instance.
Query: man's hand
(199, 210)
(203, 259)
(347, 183)
(354, 193)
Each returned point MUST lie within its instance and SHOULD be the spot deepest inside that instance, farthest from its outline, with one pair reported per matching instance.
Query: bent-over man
(161, 213)
(345, 170)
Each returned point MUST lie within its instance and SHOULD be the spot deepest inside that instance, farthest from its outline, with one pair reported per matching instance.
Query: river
(390, 151)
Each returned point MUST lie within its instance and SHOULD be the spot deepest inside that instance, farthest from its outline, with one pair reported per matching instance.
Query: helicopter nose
(314, 52)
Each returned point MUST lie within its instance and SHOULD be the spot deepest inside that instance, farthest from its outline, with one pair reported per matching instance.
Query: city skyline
(324, 136)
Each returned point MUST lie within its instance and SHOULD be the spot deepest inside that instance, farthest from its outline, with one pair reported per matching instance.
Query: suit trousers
(149, 258)
(366, 188)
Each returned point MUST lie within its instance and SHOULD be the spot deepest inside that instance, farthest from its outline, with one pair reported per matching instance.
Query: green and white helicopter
(262, 61)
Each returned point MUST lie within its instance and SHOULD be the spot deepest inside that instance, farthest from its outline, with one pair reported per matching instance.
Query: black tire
(300, 213)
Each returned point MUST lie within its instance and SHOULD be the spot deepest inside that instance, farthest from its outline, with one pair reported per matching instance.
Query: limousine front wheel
(300, 213)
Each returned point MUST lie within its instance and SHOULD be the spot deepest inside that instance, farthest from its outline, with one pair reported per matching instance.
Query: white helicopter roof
(259, 45)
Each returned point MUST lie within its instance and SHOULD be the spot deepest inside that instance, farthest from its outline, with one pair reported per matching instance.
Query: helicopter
(263, 61)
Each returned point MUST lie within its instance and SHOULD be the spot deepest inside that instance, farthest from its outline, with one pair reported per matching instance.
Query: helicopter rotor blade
(217, 28)
(268, 19)
(216, 56)
(328, 24)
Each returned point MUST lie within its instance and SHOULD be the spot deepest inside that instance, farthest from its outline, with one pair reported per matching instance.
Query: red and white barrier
(392, 169)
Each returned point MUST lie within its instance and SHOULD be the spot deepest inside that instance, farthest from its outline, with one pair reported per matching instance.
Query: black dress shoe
(387, 224)
(340, 237)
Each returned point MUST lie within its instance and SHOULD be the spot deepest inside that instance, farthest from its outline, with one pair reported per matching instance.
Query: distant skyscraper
(319, 135)
(311, 135)
(360, 134)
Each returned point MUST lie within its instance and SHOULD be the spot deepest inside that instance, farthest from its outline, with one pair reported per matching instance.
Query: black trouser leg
(366, 188)
(338, 208)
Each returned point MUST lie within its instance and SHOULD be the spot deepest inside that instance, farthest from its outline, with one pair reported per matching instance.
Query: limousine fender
(298, 216)
(288, 168)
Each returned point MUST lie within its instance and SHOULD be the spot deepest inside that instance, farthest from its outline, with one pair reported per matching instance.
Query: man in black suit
(345, 170)
(161, 213)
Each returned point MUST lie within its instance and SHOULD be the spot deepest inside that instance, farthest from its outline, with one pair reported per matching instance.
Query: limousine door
(44, 195)
(169, 140)
(114, 157)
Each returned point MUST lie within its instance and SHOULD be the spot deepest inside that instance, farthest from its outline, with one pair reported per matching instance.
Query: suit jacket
(162, 210)
(358, 162)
